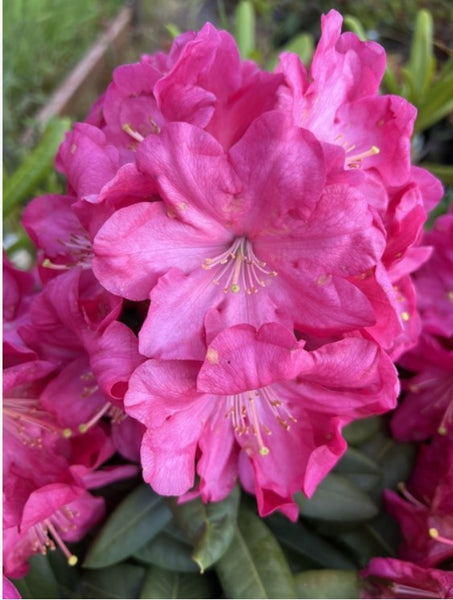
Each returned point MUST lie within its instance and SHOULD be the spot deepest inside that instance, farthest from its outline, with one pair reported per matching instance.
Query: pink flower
(259, 406)
(185, 86)
(27, 425)
(434, 281)
(52, 515)
(9, 589)
(258, 241)
(427, 406)
(392, 578)
(425, 508)
(18, 291)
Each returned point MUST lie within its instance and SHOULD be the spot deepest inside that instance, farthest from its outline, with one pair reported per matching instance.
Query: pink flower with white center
(393, 578)
(264, 232)
(258, 400)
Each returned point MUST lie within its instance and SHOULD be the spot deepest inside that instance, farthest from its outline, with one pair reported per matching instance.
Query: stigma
(239, 269)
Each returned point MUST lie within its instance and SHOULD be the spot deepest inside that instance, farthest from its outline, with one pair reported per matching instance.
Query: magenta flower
(185, 86)
(52, 515)
(9, 589)
(424, 509)
(392, 578)
(434, 281)
(259, 401)
(18, 291)
(257, 242)
(427, 406)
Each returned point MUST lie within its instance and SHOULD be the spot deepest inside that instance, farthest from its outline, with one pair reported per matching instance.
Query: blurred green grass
(42, 41)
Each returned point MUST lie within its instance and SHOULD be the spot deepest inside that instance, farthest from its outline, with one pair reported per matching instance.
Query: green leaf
(244, 30)
(139, 517)
(421, 54)
(24, 181)
(438, 100)
(327, 583)
(395, 458)
(301, 44)
(354, 25)
(118, 581)
(337, 499)
(40, 581)
(359, 431)
(161, 583)
(170, 549)
(298, 538)
(254, 565)
(363, 544)
(361, 470)
(210, 526)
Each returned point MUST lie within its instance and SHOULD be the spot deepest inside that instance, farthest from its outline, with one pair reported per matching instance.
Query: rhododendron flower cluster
(225, 285)
(424, 506)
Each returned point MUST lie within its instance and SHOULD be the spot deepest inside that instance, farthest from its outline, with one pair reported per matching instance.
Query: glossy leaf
(359, 469)
(210, 527)
(395, 458)
(363, 544)
(139, 517)
(170, 549)
(40, 581)
(327, 583)
(337, 499)
(254, 565)
(359, 431)
(118, 581)
(161, 583)
(308, 545)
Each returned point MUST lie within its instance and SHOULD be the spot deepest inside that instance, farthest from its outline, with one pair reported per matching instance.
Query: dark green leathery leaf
(210, 527)
(254, 566)
(139, 517)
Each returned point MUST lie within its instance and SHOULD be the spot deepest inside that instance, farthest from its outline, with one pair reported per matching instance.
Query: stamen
(78, 247)
(27, 420)
(107, 409)
(434, 533)
(48, 264)
(411, 592)
(132, 132)
(408, 496)
(60, 521)
(246, 419)
(242, 270)
(354, 162)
